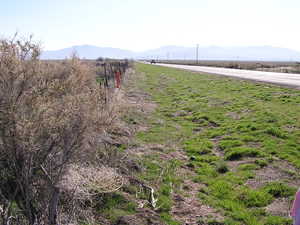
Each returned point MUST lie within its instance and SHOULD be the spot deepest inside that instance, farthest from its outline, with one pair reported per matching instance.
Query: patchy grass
(163, 178)
(196, 111)
(261, 162)
(115, 205)
(240, 152)
(226, 144)
(278, 189)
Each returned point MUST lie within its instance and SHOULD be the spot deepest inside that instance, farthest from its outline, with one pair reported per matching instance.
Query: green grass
(162, 177)
(112, 206)
(225, 144)
(278, 189)
(203, 114)
(240, 152)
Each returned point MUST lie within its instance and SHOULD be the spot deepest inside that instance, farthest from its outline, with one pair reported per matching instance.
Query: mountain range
(261, 53)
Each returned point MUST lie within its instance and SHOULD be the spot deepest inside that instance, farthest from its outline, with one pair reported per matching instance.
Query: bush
(50, 114)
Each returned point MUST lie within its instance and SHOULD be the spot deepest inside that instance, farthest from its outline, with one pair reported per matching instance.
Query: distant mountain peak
(266, 53)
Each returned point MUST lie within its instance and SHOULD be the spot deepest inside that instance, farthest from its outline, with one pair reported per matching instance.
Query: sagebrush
(51, 117)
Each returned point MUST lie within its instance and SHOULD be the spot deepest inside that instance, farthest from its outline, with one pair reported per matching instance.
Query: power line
(197, 49)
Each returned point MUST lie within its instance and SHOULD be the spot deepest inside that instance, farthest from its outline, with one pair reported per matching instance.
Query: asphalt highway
(284, 79)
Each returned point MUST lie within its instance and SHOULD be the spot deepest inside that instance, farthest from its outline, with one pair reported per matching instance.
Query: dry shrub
(85, 182)
(82, 187)
(51, 115)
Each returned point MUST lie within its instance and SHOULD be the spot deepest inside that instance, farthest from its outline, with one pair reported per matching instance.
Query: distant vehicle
(152, 61)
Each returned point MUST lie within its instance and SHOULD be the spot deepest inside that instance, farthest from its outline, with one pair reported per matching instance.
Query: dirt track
(285, 79)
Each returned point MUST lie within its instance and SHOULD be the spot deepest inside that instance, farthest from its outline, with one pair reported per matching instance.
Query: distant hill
(88, 52)
(264, 53)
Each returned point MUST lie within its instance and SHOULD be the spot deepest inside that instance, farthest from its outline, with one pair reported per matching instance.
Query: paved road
(285, 79)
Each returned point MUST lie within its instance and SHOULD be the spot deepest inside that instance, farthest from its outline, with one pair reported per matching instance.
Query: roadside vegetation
(58, 160)
(240, 139)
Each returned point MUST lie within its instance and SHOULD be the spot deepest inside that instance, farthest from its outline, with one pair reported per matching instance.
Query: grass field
(241, 140)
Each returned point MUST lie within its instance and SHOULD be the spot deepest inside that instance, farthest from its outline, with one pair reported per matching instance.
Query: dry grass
(53, 125)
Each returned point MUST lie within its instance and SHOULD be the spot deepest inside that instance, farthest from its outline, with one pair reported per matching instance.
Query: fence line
(110, 75)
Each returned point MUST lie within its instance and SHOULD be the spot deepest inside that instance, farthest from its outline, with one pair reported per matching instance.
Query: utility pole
(197, 49)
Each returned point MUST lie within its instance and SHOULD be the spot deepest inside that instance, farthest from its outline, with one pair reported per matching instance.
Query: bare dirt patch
(233, 165)
(216, 149)
(234, 115)
(290, 128)
(279, 207)
(276, 172)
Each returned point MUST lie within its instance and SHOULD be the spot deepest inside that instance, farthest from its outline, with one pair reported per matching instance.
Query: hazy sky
(146, 24)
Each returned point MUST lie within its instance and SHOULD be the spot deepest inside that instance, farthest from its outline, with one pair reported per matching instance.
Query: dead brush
(52, 115)
(85, 182)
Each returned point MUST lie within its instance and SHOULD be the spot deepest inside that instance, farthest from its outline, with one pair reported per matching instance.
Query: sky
(146, 24)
